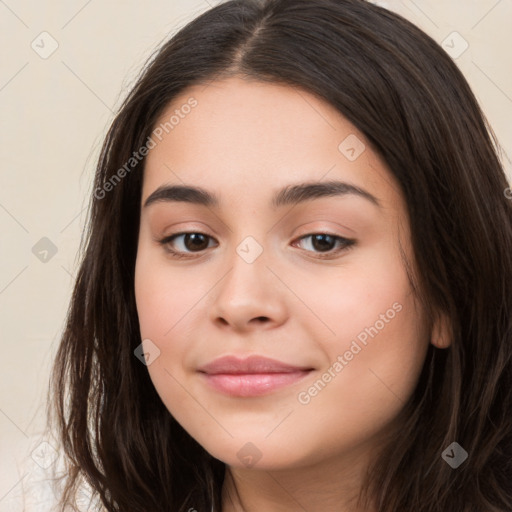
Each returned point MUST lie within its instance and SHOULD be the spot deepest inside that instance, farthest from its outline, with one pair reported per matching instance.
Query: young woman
(296, 289)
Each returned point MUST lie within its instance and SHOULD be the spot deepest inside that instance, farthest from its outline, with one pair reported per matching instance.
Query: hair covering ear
(441, 332)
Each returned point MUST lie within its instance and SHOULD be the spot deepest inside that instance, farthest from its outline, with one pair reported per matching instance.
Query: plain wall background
(54, 114)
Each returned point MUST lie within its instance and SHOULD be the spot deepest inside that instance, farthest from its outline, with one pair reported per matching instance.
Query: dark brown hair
(400, 89)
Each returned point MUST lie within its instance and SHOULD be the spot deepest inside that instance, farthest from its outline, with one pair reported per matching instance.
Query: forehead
(236, 134)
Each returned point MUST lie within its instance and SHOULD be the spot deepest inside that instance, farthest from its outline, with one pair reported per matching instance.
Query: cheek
(368, 294)
(165, 306)
(170, 306)
(378, 334)
(164, 296)
(374, 363)
(372, 371)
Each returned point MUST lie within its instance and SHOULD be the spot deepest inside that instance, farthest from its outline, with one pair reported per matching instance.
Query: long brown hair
(401, 90)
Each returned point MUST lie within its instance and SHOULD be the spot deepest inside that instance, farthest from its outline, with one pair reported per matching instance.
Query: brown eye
(323, 242)
(195, 241)
(182, 244)
(326, 243)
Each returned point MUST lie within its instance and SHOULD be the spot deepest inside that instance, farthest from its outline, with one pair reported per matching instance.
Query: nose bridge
(247, 274)
(247, 291)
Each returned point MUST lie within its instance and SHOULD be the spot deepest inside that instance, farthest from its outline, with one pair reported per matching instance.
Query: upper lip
(251, 364)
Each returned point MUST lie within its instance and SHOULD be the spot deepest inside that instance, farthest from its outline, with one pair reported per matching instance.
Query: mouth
(253, 376)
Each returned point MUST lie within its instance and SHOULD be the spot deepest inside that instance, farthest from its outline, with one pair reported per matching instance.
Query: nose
(249, 297)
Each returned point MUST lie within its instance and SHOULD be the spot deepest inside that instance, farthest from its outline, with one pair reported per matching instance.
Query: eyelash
(347, 244)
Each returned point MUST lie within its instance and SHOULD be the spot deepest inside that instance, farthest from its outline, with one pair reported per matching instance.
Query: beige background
(54, 113)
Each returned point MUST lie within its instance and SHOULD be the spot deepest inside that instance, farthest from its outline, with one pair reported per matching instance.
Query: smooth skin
(243, 141)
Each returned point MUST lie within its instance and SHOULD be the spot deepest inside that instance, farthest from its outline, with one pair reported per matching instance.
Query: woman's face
(309, 276)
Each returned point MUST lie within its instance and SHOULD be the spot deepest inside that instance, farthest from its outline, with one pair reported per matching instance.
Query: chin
(255, 453)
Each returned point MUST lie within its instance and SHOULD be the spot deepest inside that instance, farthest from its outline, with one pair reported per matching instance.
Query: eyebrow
(289, 195)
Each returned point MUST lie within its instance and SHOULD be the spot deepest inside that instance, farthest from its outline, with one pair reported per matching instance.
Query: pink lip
(253, 376)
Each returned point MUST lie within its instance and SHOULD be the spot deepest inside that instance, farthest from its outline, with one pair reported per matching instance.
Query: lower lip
(253, 384)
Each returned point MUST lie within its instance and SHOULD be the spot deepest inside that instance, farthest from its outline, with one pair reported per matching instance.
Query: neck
(331, 486)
